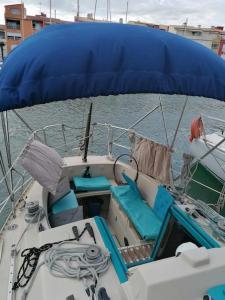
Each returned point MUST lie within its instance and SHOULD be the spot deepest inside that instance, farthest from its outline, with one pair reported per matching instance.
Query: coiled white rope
(75, 262)
(71, 259)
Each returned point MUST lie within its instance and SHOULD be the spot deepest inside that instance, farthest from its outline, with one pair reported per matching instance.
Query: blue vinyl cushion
(217, 292)
(142, 216)
(146, 220)
(69, 201)
(100, 183)
(163, 201)
(132, 184)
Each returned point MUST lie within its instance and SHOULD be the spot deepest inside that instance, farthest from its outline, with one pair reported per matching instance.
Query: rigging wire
(5, 128)
(164, 123)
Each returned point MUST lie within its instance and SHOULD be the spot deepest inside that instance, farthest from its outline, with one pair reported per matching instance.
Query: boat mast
(78, 8)
(110, 16)
(96, 1)
(50, 11)
(108, 13)
(127, 10)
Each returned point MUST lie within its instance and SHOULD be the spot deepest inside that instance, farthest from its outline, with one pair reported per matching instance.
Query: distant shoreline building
(151, 25)
(208, 37)
(19, 25)
(3, 41)
(222, 46)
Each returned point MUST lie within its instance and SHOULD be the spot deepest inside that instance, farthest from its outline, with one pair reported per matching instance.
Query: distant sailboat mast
(96, 1)
(185, 26)
(50, 12)
(78, 8)
(108, 11)
(110, 15)
(127, 10)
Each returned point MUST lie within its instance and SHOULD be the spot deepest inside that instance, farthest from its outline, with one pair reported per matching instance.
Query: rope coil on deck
(83, 260)
(66, 259)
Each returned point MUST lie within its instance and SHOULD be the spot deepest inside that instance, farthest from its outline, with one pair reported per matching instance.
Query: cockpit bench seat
(100, 183)
(145, 219)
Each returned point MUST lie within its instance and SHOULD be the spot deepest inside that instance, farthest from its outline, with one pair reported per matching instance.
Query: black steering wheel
(131, 159)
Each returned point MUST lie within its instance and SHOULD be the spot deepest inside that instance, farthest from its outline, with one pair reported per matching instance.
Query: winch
(34, 212)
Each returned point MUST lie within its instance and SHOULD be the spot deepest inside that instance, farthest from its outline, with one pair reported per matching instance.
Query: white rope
(70, 260)
(60, 261)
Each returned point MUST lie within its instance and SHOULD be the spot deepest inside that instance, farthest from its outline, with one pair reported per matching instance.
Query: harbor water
(122, 111)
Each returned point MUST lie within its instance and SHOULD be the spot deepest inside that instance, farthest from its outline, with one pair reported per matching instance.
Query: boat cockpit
(139, 221)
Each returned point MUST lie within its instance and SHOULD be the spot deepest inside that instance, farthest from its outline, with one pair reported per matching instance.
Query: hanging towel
(153, 159)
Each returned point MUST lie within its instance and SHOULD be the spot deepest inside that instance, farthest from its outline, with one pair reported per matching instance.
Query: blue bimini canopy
(86, 60)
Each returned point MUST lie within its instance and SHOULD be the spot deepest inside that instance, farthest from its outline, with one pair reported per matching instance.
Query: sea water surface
(122, 111)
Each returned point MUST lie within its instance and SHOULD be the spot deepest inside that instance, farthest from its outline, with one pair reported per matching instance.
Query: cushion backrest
(132, 184)
(163, 201)
(43, 163)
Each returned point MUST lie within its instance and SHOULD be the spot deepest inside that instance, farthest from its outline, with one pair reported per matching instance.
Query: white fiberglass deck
(185, 277)
(45, 285)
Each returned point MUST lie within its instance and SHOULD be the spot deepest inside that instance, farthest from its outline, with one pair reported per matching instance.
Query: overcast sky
(204, 12)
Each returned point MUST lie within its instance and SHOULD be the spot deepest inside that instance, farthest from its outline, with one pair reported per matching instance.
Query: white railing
(70, 142)
(212, 123)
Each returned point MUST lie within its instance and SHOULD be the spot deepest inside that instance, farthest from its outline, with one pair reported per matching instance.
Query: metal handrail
(213, 118)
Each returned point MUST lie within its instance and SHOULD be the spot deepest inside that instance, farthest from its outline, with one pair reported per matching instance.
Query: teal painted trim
(161, 235)
(217, 292)
(192, 226)
(117, 260)
(145, 261)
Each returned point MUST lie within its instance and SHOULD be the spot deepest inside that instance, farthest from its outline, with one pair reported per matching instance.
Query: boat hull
(214, 161)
